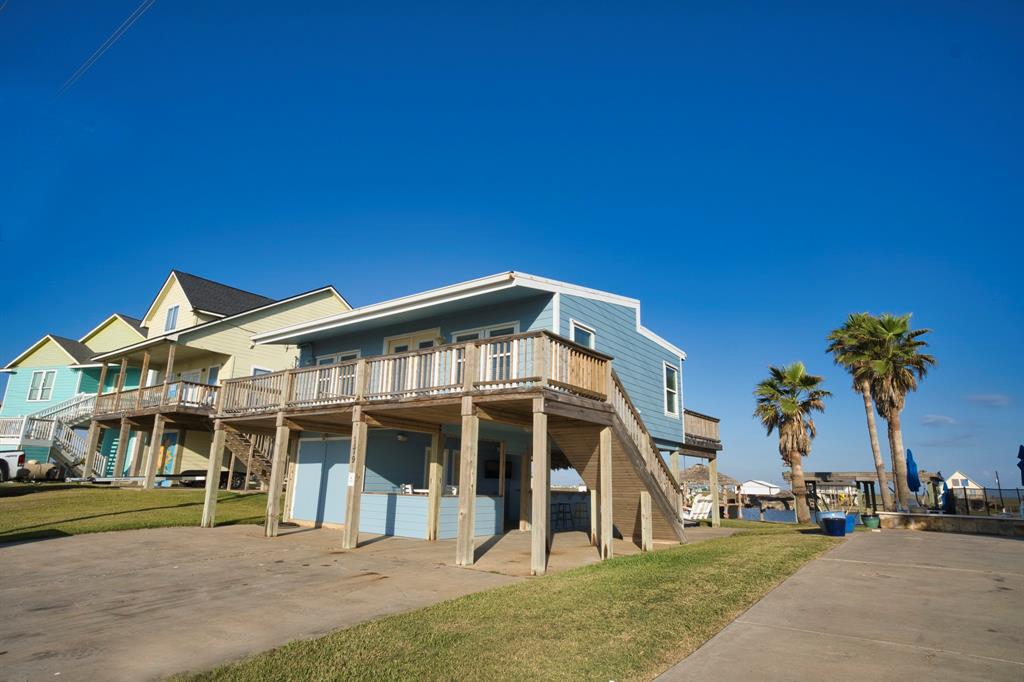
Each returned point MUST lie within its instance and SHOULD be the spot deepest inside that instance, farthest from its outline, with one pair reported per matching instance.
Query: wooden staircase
(636, 466)
(254, 450)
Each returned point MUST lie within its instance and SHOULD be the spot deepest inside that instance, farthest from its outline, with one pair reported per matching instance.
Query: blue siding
(16, 402)
(638, 360)
(489, 518)
(108, 448)
(393, 514)
(390, 463)
(533, 313)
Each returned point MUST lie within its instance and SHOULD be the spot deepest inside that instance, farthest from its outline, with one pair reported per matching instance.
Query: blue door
(321, 481)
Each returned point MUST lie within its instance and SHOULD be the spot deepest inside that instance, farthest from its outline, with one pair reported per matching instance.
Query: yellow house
(197, 335)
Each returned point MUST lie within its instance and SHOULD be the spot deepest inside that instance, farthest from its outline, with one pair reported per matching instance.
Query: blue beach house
(442, 414)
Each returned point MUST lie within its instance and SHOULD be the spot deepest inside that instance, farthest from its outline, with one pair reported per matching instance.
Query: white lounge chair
(699, 510)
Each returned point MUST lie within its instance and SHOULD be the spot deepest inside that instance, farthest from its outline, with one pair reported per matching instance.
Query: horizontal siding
(16, 402)
(390, 463)
(115, 334)
(637, 359)
(393, 514)
(174, 295)
(47, 355)
(489, 519)
(234, 339)
(533, 313)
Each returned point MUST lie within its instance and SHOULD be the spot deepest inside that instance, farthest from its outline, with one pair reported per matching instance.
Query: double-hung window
(582, 334)
(41, 387)
(171, 321)
(336, 358)
(671, 390)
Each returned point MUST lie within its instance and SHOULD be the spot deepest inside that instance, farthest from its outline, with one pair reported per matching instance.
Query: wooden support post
(169, 373)
(435, 484)
(470, 366)
(542, 359)
(142, 378)
(713, 484)
(646, 522)
(467, 479)
(213, 474)
(541, 517)
(92, 442)
(675, 465)
(356, 473)
(501, 469)
(525, 503)
(289, 496)
(277, 467)
(122, 445)
(153, 453)
(137, 450)
(103, 378)
(231, 469)
(362, 379)
(120, 383)
(605, 454)
(595, 511)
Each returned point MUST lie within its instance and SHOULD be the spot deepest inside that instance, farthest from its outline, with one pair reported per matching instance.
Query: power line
(107, 44)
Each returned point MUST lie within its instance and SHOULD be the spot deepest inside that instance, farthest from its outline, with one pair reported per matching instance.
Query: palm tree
(896, 365)
(785, 401)
(850, 346)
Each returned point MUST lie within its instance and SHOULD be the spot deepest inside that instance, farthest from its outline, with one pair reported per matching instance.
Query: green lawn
(628, 618)
(51, 510)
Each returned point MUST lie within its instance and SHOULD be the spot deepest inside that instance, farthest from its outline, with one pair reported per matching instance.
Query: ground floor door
(321, 480)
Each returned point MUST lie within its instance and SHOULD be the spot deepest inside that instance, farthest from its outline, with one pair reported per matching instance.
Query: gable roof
(462, 290)
(207, 296)
(134, 323)
(178, 333)
(77, 352)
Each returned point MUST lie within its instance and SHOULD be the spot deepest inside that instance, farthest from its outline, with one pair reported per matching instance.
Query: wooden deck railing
(501, 363)
(11, 427)
(701, 426)
(188, 394)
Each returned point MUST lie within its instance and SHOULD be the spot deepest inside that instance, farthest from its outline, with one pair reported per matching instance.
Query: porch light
(401, 437)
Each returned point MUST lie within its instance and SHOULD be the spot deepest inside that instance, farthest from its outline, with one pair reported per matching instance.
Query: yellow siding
(234, 338)
(46, 355)
(115, 333)
(196, 452)
(171, 294)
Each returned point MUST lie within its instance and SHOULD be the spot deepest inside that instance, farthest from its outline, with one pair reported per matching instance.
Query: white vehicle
(11, 463)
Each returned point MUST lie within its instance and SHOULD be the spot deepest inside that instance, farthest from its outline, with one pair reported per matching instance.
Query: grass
(629, 618)
(30, 511)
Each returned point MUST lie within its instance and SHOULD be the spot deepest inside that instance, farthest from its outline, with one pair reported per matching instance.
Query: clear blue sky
(752, 175)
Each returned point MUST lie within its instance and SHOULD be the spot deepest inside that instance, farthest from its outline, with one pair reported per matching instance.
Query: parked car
(237, 479)
(11, 464)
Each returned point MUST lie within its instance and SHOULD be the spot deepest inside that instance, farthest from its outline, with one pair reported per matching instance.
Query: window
(260, 371)
(335, 358)
(505, 329)
(213, 375)
(671, 390)
(172, 318)
(41, 387)
(582, 334)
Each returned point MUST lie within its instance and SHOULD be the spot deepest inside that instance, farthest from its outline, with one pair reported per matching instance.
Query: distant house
(756, 488)
(960, 480)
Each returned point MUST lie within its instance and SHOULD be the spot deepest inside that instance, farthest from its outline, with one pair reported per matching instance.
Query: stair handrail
(69, 441)
(76, 401)
(644, 441)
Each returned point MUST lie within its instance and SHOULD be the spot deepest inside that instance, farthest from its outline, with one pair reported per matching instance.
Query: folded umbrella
(913, 479)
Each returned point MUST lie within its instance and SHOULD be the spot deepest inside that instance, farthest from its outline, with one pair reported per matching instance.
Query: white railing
(38, 429)
(501, 363)
(99, 465)
(71, 443)
(71, 410)
(12, 427)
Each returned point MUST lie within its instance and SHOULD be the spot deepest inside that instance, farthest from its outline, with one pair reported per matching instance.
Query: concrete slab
(890, 605)
(143, 604)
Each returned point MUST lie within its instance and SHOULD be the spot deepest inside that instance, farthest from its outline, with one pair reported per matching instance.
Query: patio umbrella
(913, 479)
(1020, 463)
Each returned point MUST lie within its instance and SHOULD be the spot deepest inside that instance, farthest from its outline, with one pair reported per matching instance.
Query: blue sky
(751, 174)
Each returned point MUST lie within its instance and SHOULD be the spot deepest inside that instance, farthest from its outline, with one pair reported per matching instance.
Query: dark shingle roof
(135, 322)
(214, 297)
(79, 351)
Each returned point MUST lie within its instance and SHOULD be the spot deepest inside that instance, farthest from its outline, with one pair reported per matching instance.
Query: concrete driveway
(895, 605)
(143, 604)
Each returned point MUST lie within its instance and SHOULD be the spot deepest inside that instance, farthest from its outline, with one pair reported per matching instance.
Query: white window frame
(336, 358)
(254, 368)
(666, 367)
(485, 331)
(576, 324)
(42, 384)
(436, 331)
(167, 317)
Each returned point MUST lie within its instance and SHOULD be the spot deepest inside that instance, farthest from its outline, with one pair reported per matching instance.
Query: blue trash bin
(836, 527)
(822, 515)
(851, 521)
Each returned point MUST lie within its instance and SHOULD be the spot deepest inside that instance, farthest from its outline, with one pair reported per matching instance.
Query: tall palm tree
(851, 348)
(785, 401)
(896, 364)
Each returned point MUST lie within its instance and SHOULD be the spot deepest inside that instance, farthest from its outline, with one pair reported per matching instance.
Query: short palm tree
(851, 348)
(785, 401)
(896, 364)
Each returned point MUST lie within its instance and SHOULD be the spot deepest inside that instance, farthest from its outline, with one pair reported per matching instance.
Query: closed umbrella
(913, 479)
(1020, 463)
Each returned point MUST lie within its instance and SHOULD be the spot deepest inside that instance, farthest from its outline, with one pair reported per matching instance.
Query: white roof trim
(456, 292)
(175, 335)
